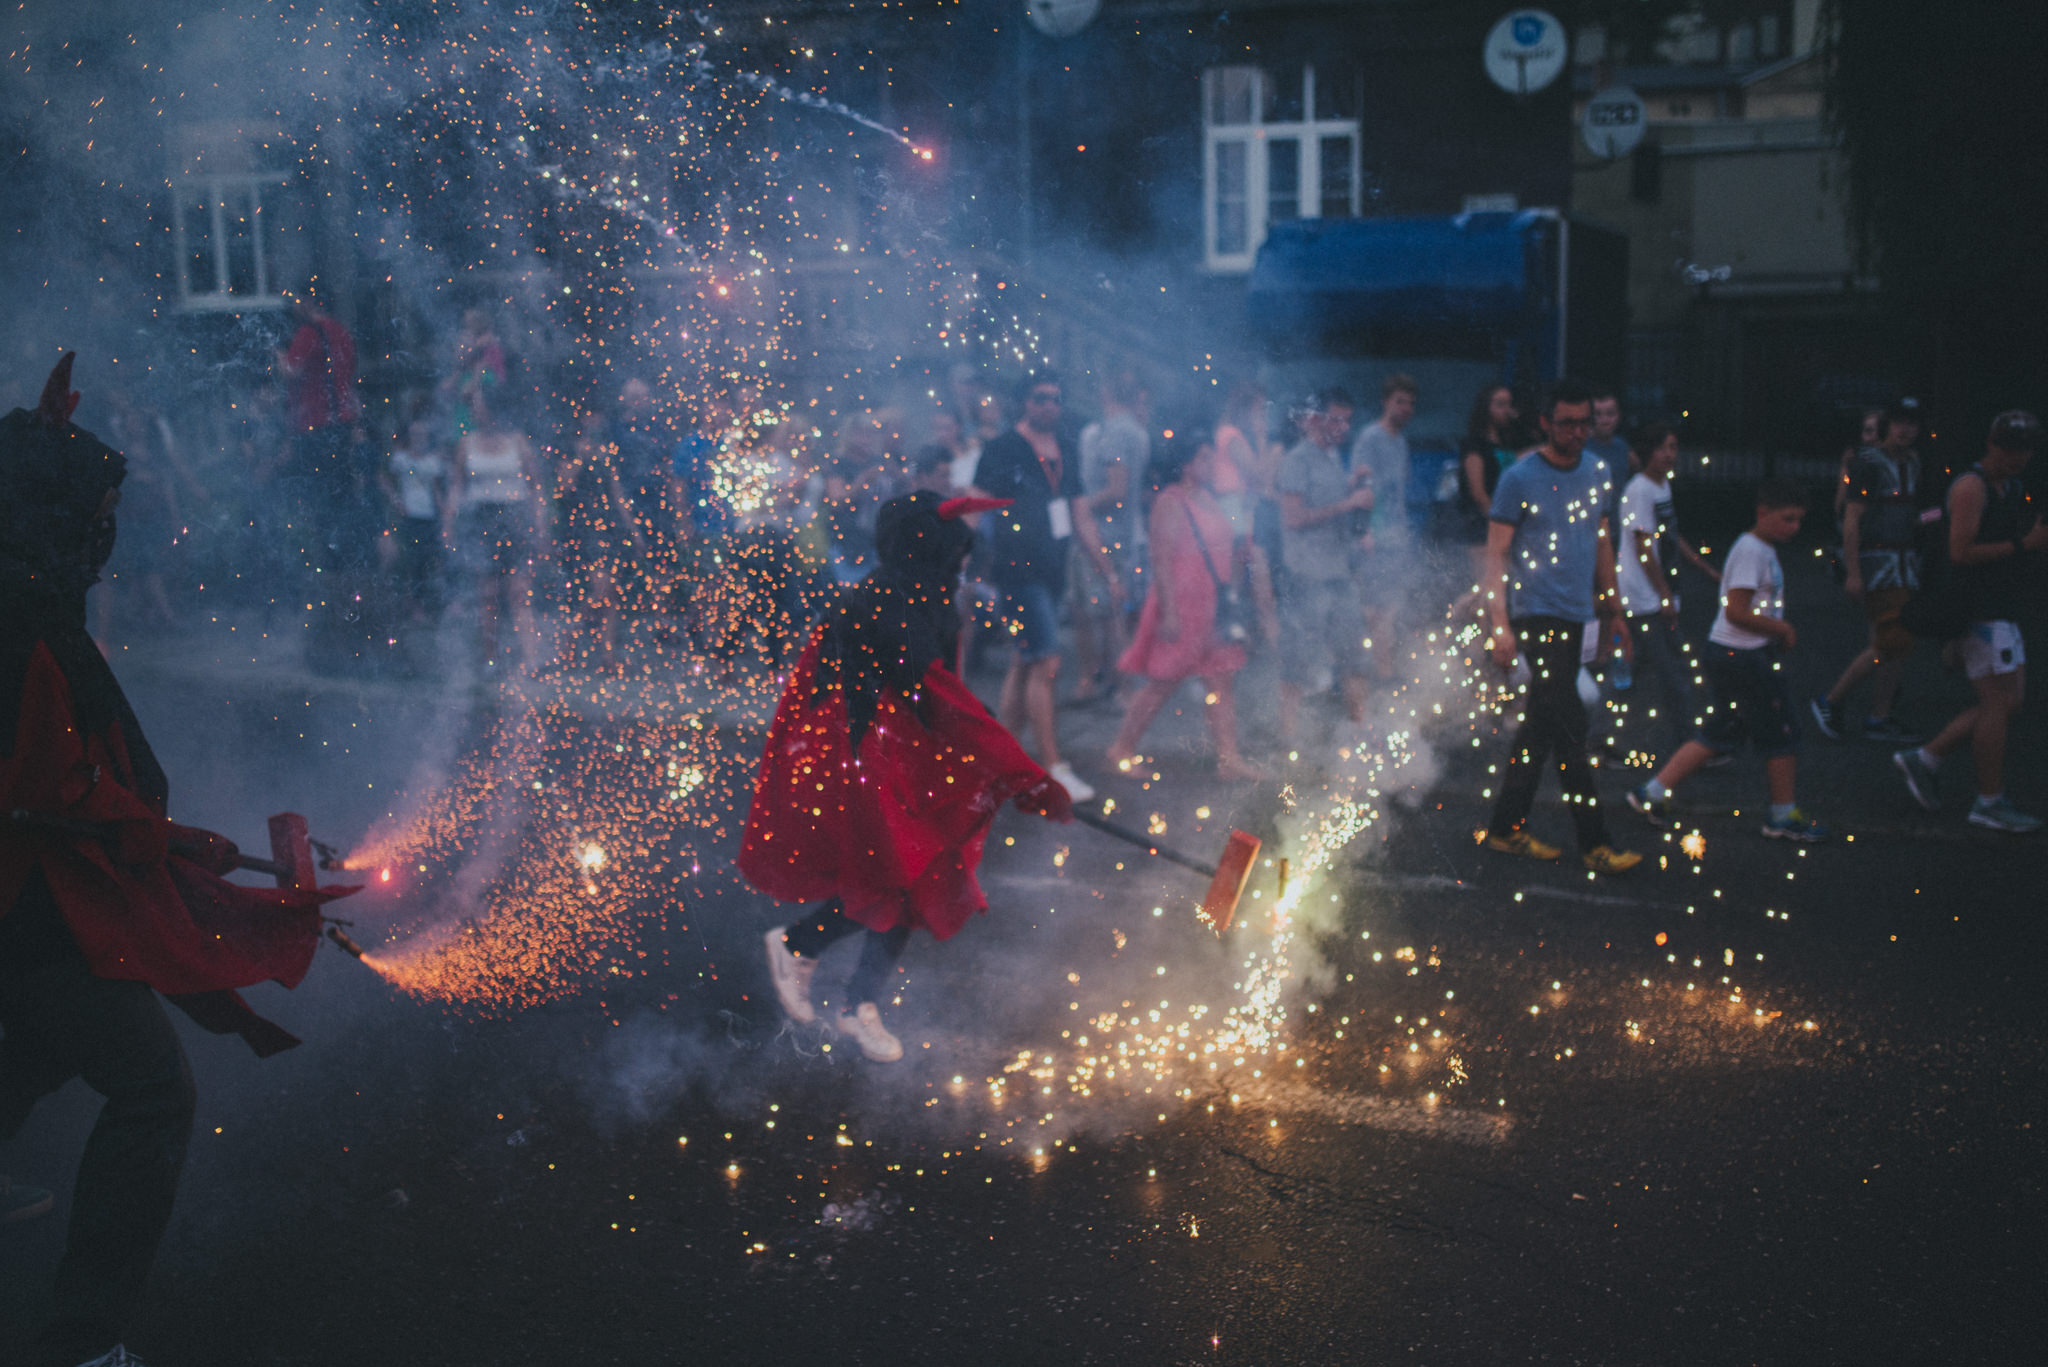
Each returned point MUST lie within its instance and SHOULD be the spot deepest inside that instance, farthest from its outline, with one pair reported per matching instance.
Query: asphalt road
(1767, 1105)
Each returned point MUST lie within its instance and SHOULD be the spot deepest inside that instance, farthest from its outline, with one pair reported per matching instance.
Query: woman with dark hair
(1490, 445)
(1194, 556)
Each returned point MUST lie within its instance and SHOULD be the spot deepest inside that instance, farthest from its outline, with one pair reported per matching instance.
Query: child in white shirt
(1746, 689)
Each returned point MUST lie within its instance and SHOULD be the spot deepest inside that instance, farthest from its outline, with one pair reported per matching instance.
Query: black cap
(2016, 430)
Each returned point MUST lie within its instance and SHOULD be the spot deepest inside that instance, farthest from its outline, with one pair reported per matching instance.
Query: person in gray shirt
(1320, 614)
(1115, 450)
(1381, 564)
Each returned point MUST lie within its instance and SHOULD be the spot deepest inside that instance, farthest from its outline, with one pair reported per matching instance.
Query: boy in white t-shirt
(1745, 680)
(1646, 556)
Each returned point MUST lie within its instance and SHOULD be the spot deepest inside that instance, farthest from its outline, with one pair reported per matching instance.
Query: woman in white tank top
(495, 510)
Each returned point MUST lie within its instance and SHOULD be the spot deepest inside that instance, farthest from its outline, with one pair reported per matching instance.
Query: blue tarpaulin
(1472, 273)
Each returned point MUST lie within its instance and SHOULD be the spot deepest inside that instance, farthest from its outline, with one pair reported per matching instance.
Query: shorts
(1747, 698)
(1887, 633)
(1321, 619)
(1382, 577)
(1993, 648)
(1031, 615)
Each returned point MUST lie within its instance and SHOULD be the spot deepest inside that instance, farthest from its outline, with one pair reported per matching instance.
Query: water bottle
(1619, 674)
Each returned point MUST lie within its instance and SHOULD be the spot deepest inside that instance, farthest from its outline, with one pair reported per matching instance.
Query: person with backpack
(1992, 524)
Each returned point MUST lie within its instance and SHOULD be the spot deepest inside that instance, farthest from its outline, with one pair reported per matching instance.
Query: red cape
(895, 831)
(137, 911)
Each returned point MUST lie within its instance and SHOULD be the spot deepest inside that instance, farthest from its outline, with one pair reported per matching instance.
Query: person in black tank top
(1992, 525)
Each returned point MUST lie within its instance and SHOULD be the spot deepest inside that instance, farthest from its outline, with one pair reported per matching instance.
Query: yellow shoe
(1607, 859)
(1522, 843)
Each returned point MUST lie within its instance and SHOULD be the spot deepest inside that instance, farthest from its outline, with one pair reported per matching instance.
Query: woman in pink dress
(1177, 636)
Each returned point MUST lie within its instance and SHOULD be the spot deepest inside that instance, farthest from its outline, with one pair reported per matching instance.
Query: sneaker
(1071, 781)
(1797, 827)
(1827, 717)
(1656, 811)
(1523, 844)
(791, 973)
(2000, 815)
(1921, 780)
(1607, 859)
(1889, 730)
(864, 1024)
(21, 1202)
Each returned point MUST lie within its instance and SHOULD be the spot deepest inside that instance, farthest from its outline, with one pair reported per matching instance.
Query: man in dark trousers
(1549, 571)
(104, 902)
(1035, 467)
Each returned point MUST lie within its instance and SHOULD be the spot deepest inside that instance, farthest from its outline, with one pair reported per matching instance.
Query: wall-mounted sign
(1526, 51)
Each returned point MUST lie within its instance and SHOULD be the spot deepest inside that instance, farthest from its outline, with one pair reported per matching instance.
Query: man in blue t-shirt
(1034, 465)
(1550, 571)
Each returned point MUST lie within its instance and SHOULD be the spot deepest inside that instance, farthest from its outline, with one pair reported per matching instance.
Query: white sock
(1930, 759)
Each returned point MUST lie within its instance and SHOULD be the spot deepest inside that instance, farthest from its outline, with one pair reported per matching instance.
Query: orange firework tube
(1228, 883)
(1226, 878)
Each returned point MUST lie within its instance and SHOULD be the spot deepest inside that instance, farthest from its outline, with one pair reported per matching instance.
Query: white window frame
(1308, 133)
(213, 191)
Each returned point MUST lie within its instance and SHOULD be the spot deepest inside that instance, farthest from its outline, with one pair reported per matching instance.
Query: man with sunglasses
(1550, 571)
(1035, 465)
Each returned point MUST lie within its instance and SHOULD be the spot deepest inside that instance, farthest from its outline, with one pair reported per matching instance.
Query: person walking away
(1491, 444)
(494, 518)
(1880, 525)
(1033, 466)
(330, 509)
(1177, 638)
(415, 485)
(1549, 572)
(104, 902)
(1115, 451)
(1647, 575)
(1383, 567)
(1744, 665)
(1322, 617)
(882, 774)
(1992, 526)
(593, 535)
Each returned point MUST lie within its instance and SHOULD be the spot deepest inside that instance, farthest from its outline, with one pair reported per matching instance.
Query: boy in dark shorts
(1745, 677)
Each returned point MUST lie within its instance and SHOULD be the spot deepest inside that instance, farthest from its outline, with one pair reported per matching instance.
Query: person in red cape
(104, 902)
(882, 772)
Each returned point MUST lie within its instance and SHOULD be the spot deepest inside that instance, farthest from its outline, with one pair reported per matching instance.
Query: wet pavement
(1762, 1105)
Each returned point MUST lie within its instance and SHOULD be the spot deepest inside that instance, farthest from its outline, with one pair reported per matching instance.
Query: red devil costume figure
(104, 902)
(883, 772)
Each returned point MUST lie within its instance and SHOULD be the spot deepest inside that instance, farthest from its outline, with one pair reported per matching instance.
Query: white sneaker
(791, 974)
(864, 1024)
(1064, 773)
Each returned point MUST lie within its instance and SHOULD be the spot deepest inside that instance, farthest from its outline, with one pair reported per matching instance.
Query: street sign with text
(1526, 51)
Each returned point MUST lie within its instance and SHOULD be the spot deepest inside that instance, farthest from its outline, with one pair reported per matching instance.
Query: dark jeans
(1554, 724)
(811, 934)
(61, 1023)
(1663, 682)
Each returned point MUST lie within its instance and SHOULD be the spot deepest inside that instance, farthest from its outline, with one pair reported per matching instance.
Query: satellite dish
(1061, 18)
(1613, 122)
(1525, 51)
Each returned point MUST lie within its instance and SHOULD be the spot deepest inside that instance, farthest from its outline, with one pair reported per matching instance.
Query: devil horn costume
(73, 758)
(882, 771)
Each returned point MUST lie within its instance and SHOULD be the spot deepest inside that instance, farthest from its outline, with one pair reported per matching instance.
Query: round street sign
(1613, 122)
(1525, 51)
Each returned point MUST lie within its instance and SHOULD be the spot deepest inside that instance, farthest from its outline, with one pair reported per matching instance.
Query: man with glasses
(1034, 465)
(1550, 571)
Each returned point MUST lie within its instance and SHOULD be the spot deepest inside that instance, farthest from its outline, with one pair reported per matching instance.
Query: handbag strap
(1202, 544)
